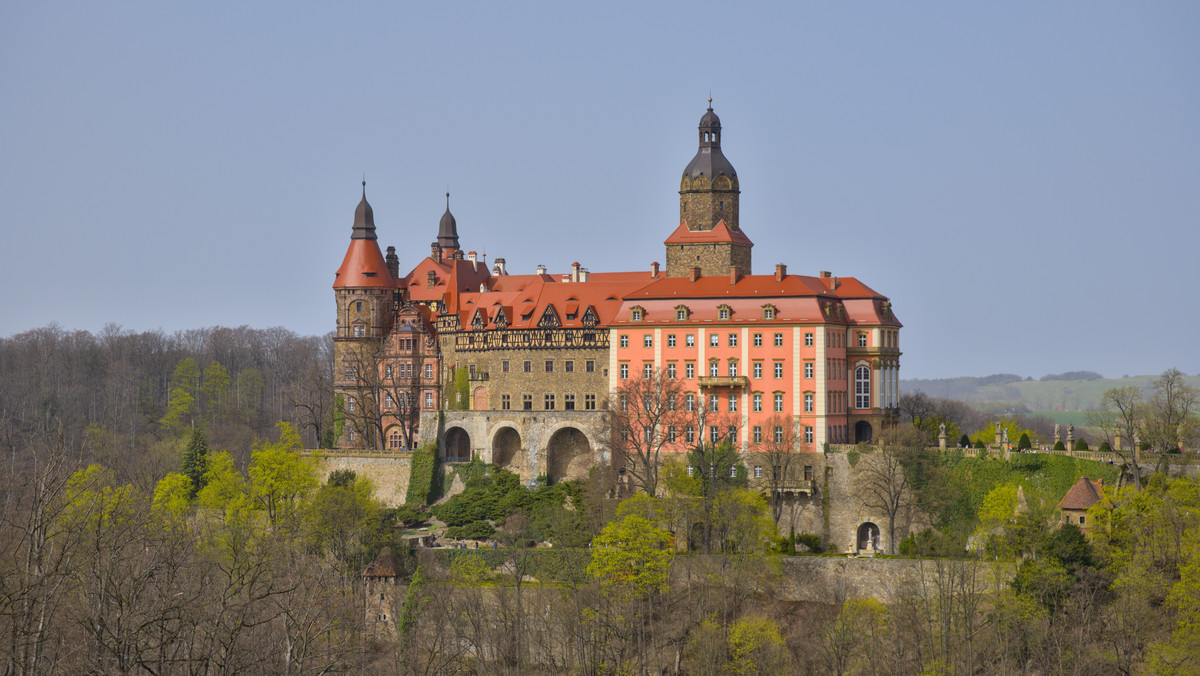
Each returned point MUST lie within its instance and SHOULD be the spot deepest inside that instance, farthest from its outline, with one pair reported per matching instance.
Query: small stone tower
(709, 236)
(363, 290)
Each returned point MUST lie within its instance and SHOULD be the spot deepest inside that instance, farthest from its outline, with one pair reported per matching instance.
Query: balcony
(724, 381)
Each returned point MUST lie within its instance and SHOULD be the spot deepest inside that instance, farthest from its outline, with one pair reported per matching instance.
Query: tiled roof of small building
(385, 565)
(1083, 494)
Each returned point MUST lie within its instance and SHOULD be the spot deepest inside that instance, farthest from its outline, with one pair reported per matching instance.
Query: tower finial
(447, 200)
(710, 99)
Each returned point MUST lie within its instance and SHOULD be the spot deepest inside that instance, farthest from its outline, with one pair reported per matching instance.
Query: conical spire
(448, 229)
(364, 218)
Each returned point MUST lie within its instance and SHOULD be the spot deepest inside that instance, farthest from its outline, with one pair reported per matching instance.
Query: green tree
(173, 496)
(631, 557)
(215, 389)
(756, 647)
(1024, 444)
(195, 461)
(181, 407)
(280, 478)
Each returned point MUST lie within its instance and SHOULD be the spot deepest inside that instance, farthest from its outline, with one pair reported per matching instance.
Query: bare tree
(649, 414)
(1170, 411)
(382, 390)
(882, 480)
(1121, 412)
(778, 449)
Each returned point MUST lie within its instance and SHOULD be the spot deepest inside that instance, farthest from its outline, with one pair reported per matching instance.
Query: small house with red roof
(1079, 499)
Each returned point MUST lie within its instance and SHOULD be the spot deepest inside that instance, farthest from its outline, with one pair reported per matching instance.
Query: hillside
(1050, 395)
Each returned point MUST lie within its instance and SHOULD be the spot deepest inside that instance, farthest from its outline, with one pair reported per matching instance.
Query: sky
(1021, 179)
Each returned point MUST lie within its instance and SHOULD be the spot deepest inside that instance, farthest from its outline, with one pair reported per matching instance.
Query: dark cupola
(364, 219)
(708, 193)
(448, 229)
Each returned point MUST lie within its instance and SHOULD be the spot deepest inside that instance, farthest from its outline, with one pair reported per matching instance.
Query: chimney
(393, 262)
(471, 255)
(435, 252)
(654, 269)
(498, 268)
(694, 275)
(575, 271)
(583, 274)
(541, 269)
(735, 273)
(780, 272)
(430, 279)
(824, 274)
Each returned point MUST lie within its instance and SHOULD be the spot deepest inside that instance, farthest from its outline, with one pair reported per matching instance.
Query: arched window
(395, 440)
(862, 387)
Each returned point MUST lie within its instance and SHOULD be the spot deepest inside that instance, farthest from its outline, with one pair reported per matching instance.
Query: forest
(158, 516)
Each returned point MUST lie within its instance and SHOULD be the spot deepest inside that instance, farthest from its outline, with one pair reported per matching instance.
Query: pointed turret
(363, 266)
(448, 230)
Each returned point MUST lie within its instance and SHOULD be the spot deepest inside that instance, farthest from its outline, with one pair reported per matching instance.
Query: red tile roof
(1082, 495)
(363, 266)
(719, 233)
(384, 565)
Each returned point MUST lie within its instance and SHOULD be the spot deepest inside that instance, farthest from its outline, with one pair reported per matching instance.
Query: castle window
(714, 434)
(808, 340)
(527, 402)
(733, 400)
(637, 314)
(569, 366)
(862, 387)
(758, 340)
(733, 340)
(429, 371)
(527, 366)
(623, 402)
(714, 340)
(714, 403)
(589, 366)
(778, 340)
(758, 468)
(757, 370)
(359, 331)
(647, 341)
(387, 371)
(689, 371)
(723, 313)
(358, 306)
(689, 340)
(681, 315)
(808, 370)
(808, 403)
(808, 434)
(733, 430)
(624, 341)
(862, 339)
(732, 369)
(351, 404)
(471, 371)
(768, 312)
(569, 402)
(714, 369)
(758, 440)
(757, 403)
(589, 402)
(778, 369)
(689, 403)
(808, 473)
(778, 435)
(429, 400)
(670, 434)
(549, 366)
(387, 400)
(624, 371)
(504, 366)
(778, 402)
(505, 402)
(671, 371)
(671, 340)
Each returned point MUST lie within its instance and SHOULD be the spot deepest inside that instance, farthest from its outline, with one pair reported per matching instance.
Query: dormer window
(637, 314)
(768, 312)
(724, 312)
(682, 313)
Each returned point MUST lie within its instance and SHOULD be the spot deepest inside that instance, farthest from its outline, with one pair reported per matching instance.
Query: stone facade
(388, 473)
(704, 203)
(510, 378)
(712, 258)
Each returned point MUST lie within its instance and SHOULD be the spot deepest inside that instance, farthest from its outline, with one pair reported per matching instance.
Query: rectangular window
(527, 366)
(671, 371)
(623, 402)
(647, 371)
(757, 369)
(758, 340)
(733, 369)
(647, 340)
(733, 399)
(778, 340)
(808, 474)
(808, 340)
(624, 371)
(779, 403)
(714, 434)
(569, 402)
(549, 366)
(862, 339)
(624, 341)
(808, 434)
(732, 468)
(527, 402)
(387, 400)
(429, 372)
(670, 402)
(569, 366)
(757, 403)
(549, 402)
(351, 404)
(714, 403)
(671, 340)
(778, 431)
(505, 402)
(714, 340)
(429, 400)
(670, 434)
(690, 403)
(758, 471)
(387, 372)
(504, 366)
(778, 369)
(589, 366)
(808, 370)
(733, 430)
(808, 403)
(758, 434)
(690, 435)
(714, 369)
(733, 340)
(689, 340)
(471, 371)
(589, 402)
(690, 371)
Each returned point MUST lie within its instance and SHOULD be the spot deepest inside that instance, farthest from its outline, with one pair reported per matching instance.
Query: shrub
(1024, 443)
(1059, 446)
(964, 441)
(1104, 447)
(979, 444)
(411, 515)
(1081, 445)
(476, 530)
(342, 478)
(812, 542)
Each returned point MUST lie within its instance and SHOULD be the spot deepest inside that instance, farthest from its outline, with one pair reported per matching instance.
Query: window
(808, 434)
(670, 402)
(637, 314)
(714, 369)
(733, 340)
(689, 371)
(808, 403)
(549, 366)
(714, 434)
(769, 313)
(589, 366)
(758, 369)
(808, 340)
(681, 314)
(808, 474)
(732, 468)
(691, 470)
(671, 371)
(504, 366)
(429, 372)
(351, 403)
(778, 369)
(527, 366)
(778, 434)
(387, 372)
(733, 369)
(388, 402)
(714, 403)
(359, 331)
(690, 437)
(758, 340)
(690, 403)
(647, 371)
(714, 340)
(723, 313)
(623, 402)
(808, 370)
(624, 341)
(689, 340)
(569, 402)
(862, 387)
(1081, 517)
(862, 339)
(351, 435)
(758, 468)
(778, 340)
(527, 402)
(733, 399)
(471, 371)
(549, 402)
(429, 400)
(757, 402)
(358, 306)
(670, 434)
(647, 340)
(505, 402)
(778, 402)
(589, 402)
(624, 371)
(671, 340)
(569, 366)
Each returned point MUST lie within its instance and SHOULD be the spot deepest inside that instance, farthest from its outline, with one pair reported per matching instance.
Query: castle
(520, 369)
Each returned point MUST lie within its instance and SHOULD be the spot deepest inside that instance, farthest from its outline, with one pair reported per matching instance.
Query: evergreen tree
(964, 441)
(195, 461)
(1024, 443)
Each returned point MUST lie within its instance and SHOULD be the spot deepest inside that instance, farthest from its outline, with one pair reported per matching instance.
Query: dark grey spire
(709, 160)
(364, 218)
(447, 229)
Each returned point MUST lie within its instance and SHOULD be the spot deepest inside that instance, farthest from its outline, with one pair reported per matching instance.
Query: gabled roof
(719, 233)
(1083, 494)
(384, 565)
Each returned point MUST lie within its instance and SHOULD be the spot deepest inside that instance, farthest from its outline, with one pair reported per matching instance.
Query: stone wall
(824, 579)
(574, 385)
(388, 472)
(713, 259)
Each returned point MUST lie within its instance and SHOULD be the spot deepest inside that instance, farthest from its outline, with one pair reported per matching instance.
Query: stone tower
(709, 236)
(363, 290)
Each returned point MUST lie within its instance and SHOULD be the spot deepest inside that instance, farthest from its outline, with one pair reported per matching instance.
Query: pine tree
(195, 460)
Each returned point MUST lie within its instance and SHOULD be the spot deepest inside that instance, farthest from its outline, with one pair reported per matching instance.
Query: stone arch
(568, 454)
(394, 438)
(457, 444)
(862, 432)
(868, 537)
(722, 183)
(506, 449)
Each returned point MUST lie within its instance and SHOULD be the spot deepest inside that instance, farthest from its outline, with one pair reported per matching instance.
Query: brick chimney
(694, 274)
(735, 274)
(654, 269)
(780, 272)
(435, 252)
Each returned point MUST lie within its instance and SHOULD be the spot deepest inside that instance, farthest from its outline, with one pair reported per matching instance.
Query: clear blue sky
(1021, 178)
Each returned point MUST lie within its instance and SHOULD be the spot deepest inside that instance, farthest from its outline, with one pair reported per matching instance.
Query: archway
(568, 455)
(506, 450)
(868, 536)
(458, 445)
(479, 400)
(862, 432)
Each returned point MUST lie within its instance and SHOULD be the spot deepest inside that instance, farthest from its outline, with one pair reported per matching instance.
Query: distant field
(1076, 418)
(1053, 397)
